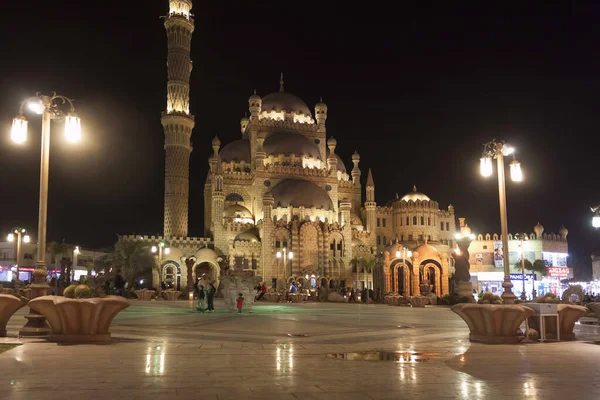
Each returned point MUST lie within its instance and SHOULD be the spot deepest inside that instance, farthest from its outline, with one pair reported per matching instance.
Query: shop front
(492, 282)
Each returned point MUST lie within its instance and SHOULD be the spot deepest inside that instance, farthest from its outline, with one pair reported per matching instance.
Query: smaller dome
(205, 254)
(237, 211)
(393, 248)
(357, 242)
(287, 143)
(355, 219)
(247, 236)
(254, 96)
(414, 196)
(237, 151)
(427, 251)
(563, 231)
(321, 104)
(297, 193)
(285, 101)
(539, 230)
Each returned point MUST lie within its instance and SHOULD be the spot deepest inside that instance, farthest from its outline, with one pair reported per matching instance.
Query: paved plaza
(165, 350)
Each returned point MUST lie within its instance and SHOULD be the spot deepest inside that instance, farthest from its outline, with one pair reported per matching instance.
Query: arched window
(234, 197)
(414, 220)
(428, 220)
(422, 220)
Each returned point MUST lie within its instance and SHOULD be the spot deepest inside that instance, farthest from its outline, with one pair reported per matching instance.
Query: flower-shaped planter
(79, 320)
(272, 297)
(9, 304)
(296, 297)
(493, 323)
(568, 314)
(171, 295)
(418, 301)
(595, 309)
(144, 294)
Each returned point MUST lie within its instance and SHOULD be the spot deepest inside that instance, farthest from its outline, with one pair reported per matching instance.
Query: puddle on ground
(396, 356)
(297, 335)
(8, 346)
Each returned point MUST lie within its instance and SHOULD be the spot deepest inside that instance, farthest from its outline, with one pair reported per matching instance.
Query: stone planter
(272, 297)
(79, 320)
(594, 309)
(568, 314)
(418, 301)
(233, 285)
(493, 323)
(171, 295)
(9, 304)
(296, 297)
(335, 297)
(144, 294)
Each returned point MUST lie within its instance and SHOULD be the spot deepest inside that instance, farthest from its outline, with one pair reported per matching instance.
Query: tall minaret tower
(176, 120)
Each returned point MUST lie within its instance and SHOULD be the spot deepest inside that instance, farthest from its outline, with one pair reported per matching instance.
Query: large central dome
(285, 101)
(415, 195)
(296, 193)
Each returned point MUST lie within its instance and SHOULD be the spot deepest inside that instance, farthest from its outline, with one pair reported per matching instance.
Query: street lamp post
(49, 107)
(76, 252)
(285, 255)
(162, 247)
(20, 238)
(405, 252)
(499, 150)
(523, 238)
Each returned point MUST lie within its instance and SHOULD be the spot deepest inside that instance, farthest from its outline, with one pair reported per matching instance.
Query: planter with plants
(78, 316)
(492, 322)
(144, 294)
(171, 294)
(9, 304)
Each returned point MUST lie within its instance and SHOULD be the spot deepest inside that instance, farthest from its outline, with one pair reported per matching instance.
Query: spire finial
(414, 188)
(281, 83)
(254, 91)
(321, 99)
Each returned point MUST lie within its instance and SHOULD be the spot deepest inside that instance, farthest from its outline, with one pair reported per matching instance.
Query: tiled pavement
(165, 350)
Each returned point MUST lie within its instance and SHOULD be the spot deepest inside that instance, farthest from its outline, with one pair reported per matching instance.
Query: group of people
(205, 297)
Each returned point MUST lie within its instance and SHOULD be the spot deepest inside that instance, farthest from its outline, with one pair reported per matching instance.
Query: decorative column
(445, 285)
(416, 285)
(176, 120)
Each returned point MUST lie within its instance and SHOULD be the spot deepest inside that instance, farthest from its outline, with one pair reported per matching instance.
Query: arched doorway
(204, 273)
(207, 266)
(431, 274)
(171, 275)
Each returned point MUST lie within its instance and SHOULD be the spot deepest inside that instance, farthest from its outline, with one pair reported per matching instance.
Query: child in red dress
(240, 303)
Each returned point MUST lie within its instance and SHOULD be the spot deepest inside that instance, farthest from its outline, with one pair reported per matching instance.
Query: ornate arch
(425, 275)
(309, 246)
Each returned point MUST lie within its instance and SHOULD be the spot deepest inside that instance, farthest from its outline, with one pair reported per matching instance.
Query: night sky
(417, 89)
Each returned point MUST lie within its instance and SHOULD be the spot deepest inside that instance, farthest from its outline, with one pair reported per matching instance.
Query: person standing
(201, 299)
(119, 283)
(210, 294)
(263, 291)
(240, 303)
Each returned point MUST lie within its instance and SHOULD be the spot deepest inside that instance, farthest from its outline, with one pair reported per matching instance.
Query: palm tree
(131, 258)
(57, 251)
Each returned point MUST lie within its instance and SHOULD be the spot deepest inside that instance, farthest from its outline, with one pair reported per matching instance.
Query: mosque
(280, 203)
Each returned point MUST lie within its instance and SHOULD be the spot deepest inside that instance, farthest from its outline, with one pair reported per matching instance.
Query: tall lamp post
(161, 248)
(285, 255)
(76, 252)
(523, 237)
(19, 236)
(50, 108)
(405, 252)
(499, 150)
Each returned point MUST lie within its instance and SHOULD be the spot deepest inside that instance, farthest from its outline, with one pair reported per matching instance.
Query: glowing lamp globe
(596, 221)
(26, 239)
(485, 166)
(72, 128)
(398, 254)
(515, 171)
(10, 237)
(18, 133)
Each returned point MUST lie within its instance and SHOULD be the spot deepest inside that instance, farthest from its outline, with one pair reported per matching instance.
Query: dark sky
(417, 89)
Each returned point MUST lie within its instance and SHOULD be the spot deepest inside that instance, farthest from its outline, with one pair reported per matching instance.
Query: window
(378, 222)
(331, 246)
(28, 256)
(414, 220)
(441, 226)
(422, 220)
(410, 238)
(378, 240)
(428, 220)
(428, 238)
(383, 222)
(254, 264)
(485, 247)
(400, 219)
(284, 244)
(245, 263)
(384, 240)
(277, 244)
(447, 226)
(402, 238)
(407, 223)
(420, 237)
(339, 246)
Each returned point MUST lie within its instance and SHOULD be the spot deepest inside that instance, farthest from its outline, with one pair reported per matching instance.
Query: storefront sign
(519, 277)
(559, 272)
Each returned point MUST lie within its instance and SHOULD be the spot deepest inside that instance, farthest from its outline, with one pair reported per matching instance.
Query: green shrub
(83, 292)
(489, 298)
(70, 291)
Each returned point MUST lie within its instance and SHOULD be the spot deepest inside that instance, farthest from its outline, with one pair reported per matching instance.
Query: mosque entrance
(204, 273)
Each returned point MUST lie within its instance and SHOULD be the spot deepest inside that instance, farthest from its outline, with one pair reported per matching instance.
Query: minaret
(370, 204)
(176, 120)
(357, 196)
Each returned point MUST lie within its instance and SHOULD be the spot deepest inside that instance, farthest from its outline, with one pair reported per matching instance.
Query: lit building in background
(487, 261)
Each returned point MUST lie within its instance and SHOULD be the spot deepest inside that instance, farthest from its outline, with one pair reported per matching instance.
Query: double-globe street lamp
(404, 253)
(596, 217)
(498, 150)
(523, 238)
(161, 248)
(285, 254)
(50, 108)
(19, 236)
